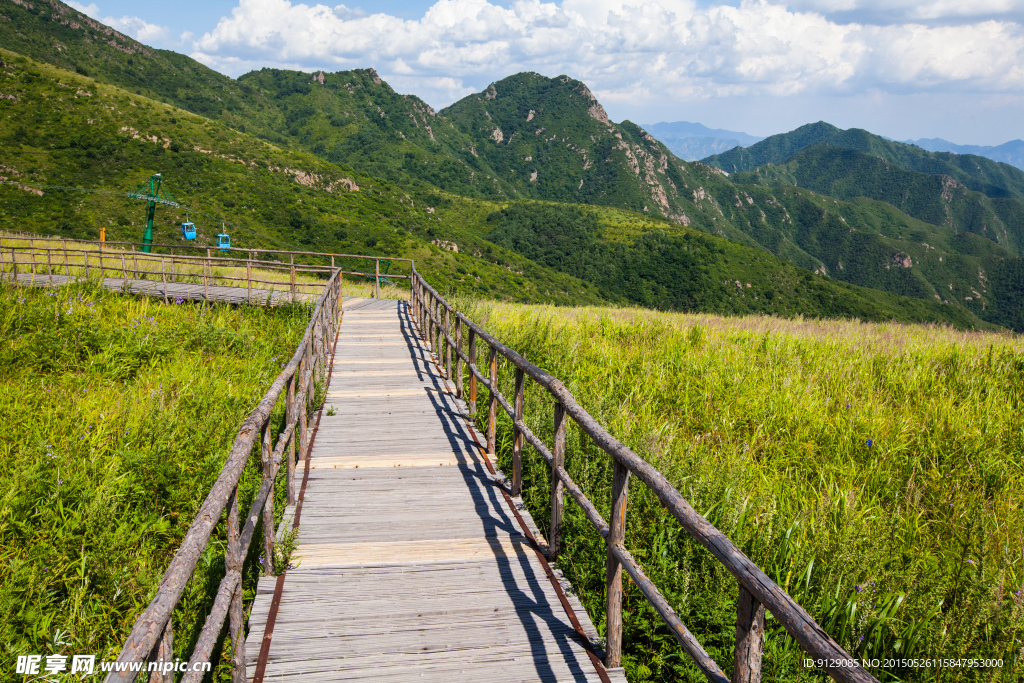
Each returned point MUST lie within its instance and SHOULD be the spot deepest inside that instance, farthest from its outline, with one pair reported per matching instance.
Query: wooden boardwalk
(174, 291)
(411, 564)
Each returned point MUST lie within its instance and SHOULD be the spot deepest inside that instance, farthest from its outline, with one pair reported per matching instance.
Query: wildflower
(858, 588)
(261, 559)
(861, 638)
(970, 561)
(848, 405)
(870, 443)
(1017, 594)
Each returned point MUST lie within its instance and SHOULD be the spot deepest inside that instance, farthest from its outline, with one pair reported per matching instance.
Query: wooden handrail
(427, 305)
(307, 365)
(12, 234)
(79, 257)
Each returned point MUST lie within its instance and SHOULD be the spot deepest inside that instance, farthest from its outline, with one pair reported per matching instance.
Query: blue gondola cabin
(188, 230)
(223, 241)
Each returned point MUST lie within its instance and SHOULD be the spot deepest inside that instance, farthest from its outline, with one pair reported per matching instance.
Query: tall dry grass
(874, 470)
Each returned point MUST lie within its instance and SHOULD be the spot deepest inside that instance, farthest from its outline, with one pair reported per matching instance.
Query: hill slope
(86, 134)
(977, 173)
(60, 129)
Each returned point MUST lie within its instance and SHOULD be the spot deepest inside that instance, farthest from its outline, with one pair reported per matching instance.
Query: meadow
(116, 415)
(873, 470)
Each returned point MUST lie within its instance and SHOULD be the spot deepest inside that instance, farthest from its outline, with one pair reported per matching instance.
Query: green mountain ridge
(81, 133)
(526, 136)
(991, 178)
(932, 198)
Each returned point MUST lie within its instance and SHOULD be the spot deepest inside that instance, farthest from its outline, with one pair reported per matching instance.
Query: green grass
(873, 470)
(116, 416)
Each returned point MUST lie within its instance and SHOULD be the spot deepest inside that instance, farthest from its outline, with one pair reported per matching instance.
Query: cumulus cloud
(89, 10)
(139, 29)
(899, 11)
(673, 48)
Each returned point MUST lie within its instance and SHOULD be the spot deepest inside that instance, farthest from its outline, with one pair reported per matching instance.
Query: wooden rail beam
(789, 613)
(613, 568)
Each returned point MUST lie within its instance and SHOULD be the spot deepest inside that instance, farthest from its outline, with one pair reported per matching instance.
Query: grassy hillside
(525, 136)
(936, 199)
(674, 268)
(991, 178)
(874, 471)
(116, 416)
(66, 130)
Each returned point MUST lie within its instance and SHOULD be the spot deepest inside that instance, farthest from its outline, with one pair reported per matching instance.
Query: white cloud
(897, 11)
(139, 29)
(670, 48)
(89, 10)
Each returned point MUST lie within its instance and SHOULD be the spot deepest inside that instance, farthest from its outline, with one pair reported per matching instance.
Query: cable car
(188, 230)
(223, 242)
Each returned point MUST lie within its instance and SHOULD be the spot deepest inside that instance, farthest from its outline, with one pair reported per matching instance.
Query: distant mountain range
(692, 141)
(892, 231)
(1011, 152)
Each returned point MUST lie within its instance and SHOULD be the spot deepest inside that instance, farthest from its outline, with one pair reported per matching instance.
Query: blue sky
(900, 68)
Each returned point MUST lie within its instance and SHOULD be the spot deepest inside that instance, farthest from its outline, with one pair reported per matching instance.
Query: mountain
(526, 137)
(936, 199)
(1011, 152)
(692, 141)
(992, 178)
(60, 130)
(549, 138)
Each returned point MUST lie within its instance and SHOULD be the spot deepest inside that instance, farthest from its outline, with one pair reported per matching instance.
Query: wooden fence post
(163, 277)
(613, 569)
(268, 507)
(164, 653)
(67, 267)
(472, 377)
(49, 266)
(492, 412)
(206, 284)
(289, 418)
(458, 356)
(233, 559)
(429, 308)
(248, 279)
(517, 436)
(292, 278)
(376, 278)
(447, 344)
(749, 638)
(557, 487)
(301, 407)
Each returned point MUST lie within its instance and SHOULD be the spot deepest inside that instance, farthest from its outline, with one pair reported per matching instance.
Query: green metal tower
(153, 193)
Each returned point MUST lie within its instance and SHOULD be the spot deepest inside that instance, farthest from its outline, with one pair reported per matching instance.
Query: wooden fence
(172, 263)
(449, 332)
(152, 636)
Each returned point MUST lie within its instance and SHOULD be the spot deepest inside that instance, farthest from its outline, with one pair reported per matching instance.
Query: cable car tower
(153, 193)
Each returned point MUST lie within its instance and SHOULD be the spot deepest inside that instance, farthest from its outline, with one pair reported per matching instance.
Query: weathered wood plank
(410, 564)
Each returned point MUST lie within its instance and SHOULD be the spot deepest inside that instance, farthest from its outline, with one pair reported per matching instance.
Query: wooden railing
(447, 331)
(179, 262)
(152, 638)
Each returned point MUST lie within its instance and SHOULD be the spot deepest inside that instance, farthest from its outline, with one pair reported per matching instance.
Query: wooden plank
(410, 566)
(403, 552)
